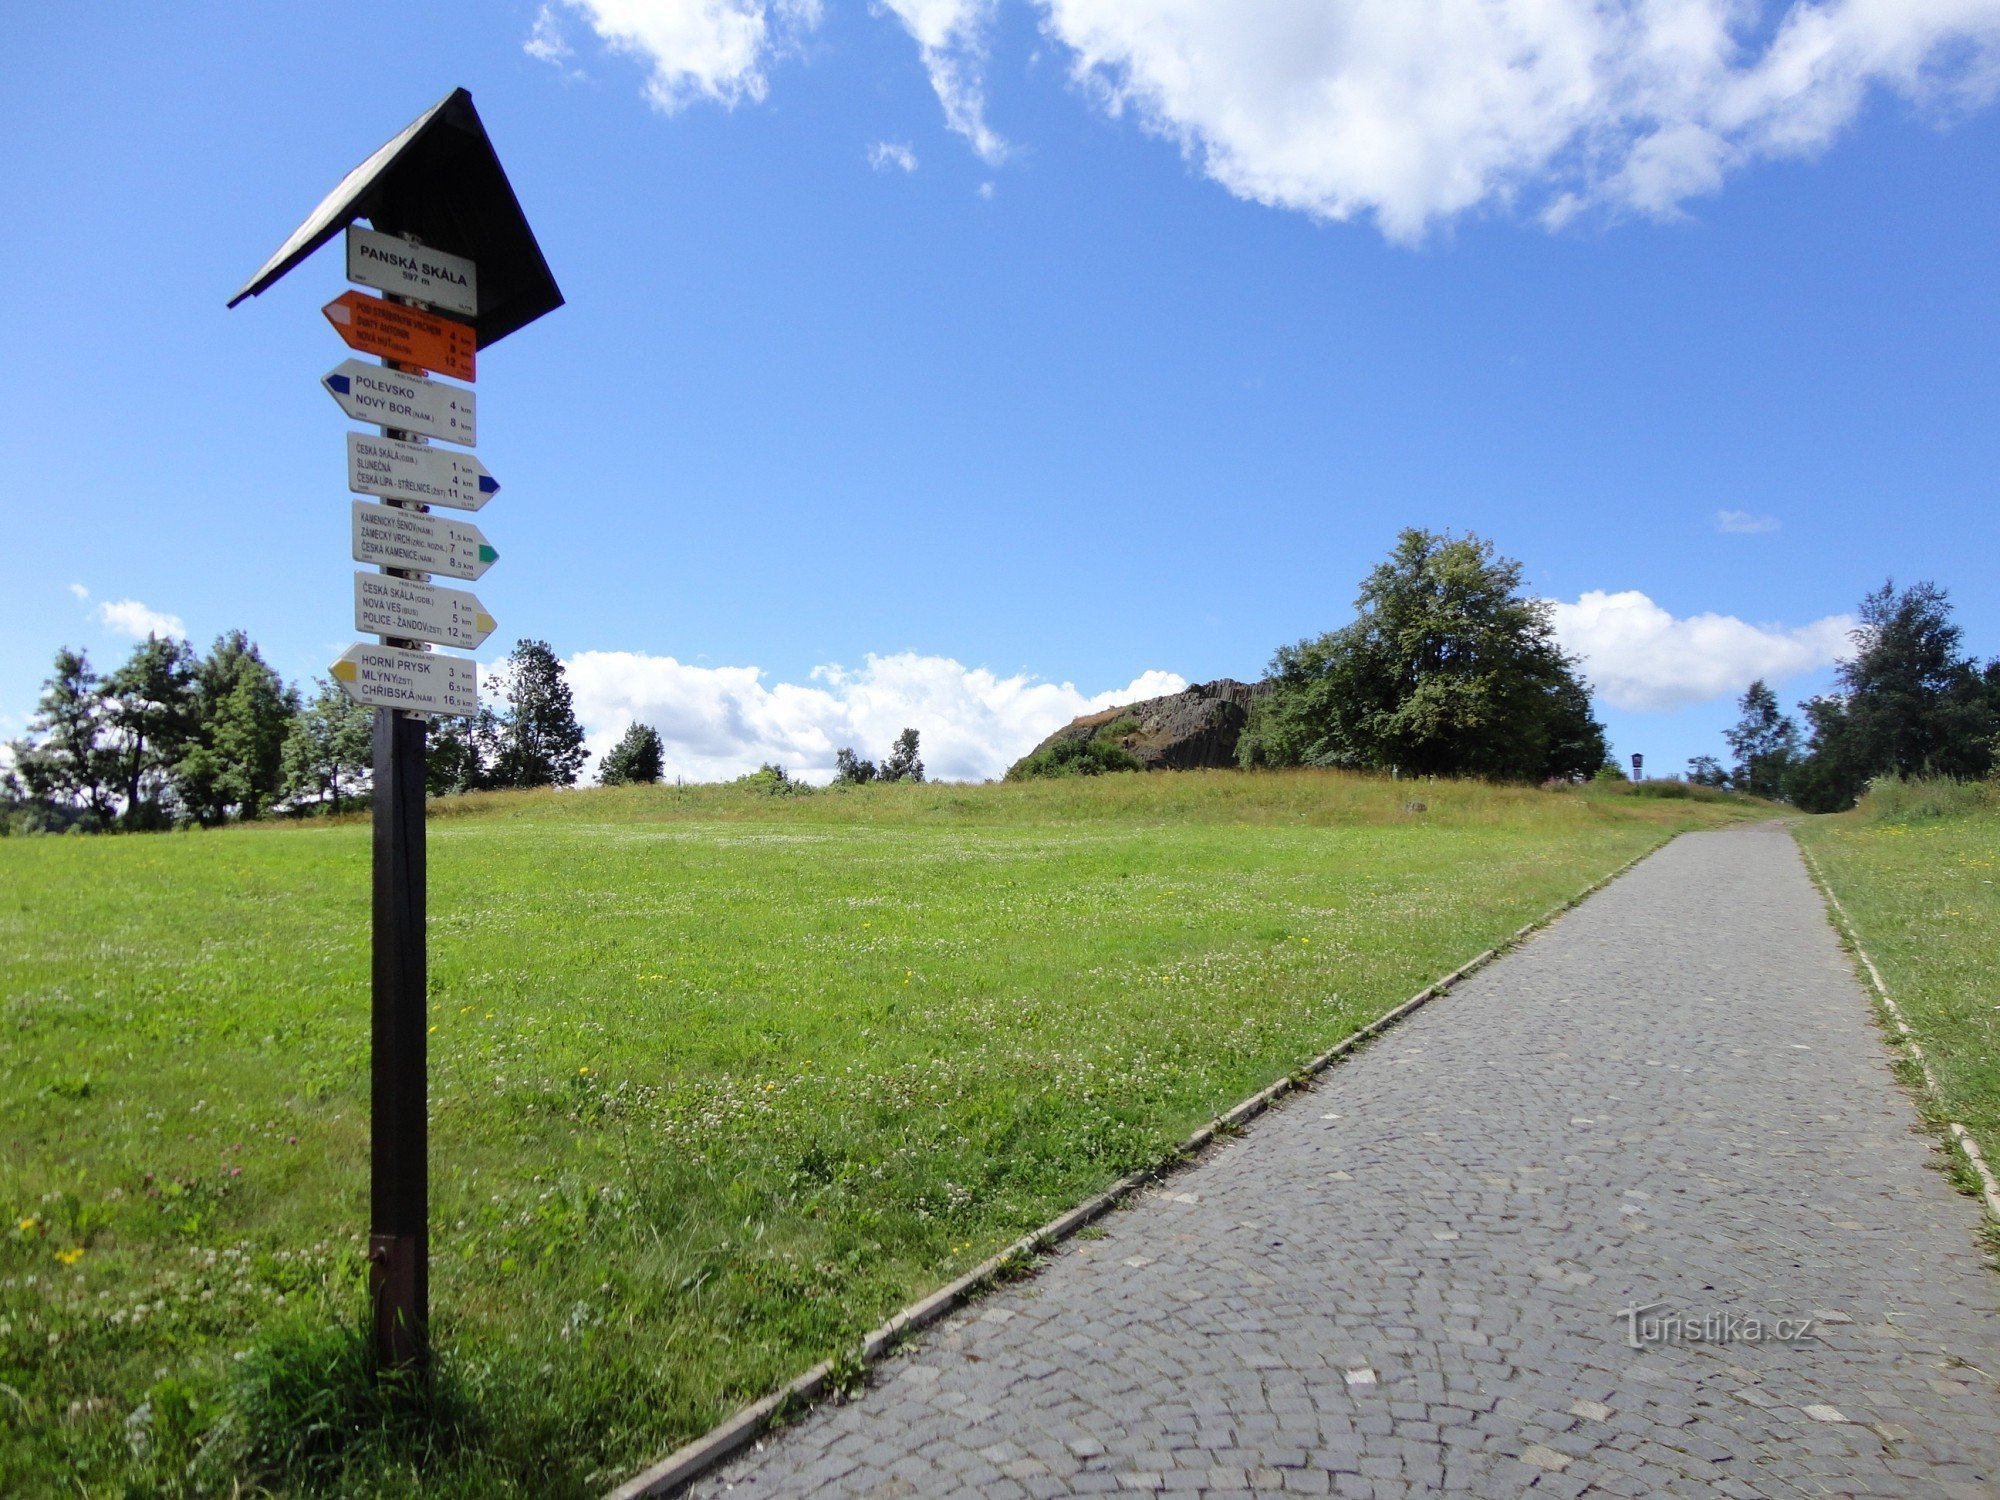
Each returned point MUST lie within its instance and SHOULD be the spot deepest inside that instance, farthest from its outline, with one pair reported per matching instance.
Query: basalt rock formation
(1180, 732)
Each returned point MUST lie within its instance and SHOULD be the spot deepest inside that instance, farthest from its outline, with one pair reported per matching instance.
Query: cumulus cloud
(719, 722)
(1745, 523)
(1415, 112)
(128, 617)
(1638, 656)
(1409, 112)
(886, 156)
(696, 49)
(81, 593)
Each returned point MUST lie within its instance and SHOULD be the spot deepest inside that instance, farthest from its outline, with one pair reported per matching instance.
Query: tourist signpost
(448, 246)
(417, 473)
(392, 536)
(404, 609)
(419, 272)
(415, 681)
(414, 339)
(407, 404)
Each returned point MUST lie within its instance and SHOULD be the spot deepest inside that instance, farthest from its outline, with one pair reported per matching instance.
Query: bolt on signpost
(459, 269)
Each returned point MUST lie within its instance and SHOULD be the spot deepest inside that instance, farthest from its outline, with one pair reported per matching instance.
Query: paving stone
(1701, 1016)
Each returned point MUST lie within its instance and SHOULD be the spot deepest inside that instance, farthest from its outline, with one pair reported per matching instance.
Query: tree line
(1910, 701)
(171, 738)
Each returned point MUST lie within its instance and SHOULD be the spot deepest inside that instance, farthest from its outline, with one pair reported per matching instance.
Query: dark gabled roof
(441, 181)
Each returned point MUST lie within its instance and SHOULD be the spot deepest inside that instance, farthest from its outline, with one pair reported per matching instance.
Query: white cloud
(128, 617)
(1409, 112)
(951, 39)
(546, 43)
(1745, 523)
(1640, 657)
(1414, 111)
(885, 155)
(696, 49)
(719, 722)
(82, 594)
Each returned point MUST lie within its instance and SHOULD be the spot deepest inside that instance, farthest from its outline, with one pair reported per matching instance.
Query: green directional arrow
(487, 554)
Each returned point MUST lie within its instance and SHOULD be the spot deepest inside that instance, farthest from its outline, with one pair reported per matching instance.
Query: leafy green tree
(462, 752)
(1765, 742)
(153, 713)
(1706, 770)
(330, 750)
(902, 763)
(850, 770)
(1909, 702)
(638, 756)
(540, 741)
(64, 760)
(1450, 669)
(244, 713)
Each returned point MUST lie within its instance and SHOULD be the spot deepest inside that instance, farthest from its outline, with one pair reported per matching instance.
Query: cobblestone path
(1410, 1280)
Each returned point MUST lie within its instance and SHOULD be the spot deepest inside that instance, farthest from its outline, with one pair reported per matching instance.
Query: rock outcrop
(1180, 732)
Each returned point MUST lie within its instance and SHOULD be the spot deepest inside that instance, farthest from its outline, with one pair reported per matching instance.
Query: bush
(773, 781)
(1087, 757)
(1915, 799)
(1664, 788)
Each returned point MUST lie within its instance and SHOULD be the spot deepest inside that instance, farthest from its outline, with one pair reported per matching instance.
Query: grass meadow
(1917, 866)
(718, 1081)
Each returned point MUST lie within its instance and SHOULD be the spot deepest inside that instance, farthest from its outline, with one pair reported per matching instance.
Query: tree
(461, 754)
(1706, 770)
(902, 763)
(1766, 744)
(540, 742)
(1909, 702)
(330, 750)
(152, 709)
(244, 712)
(1450, 669)
(850, 770)
(638, 756)
(64, 761)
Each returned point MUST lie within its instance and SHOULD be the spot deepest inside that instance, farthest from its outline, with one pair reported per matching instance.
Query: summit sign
(391, 264)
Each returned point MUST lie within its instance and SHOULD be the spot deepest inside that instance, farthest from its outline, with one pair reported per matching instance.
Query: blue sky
(1095, 342)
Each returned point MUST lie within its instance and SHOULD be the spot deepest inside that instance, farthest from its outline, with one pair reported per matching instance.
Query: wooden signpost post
(460, 270)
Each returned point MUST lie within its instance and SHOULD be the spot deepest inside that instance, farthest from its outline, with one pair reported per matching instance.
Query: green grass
(1917, 866)
(719, 1080)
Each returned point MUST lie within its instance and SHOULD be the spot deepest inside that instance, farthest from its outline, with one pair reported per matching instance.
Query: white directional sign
(390, 264)
(389, 398)
(392, 538)
(404, 609)
(393, 677)
(396, 470)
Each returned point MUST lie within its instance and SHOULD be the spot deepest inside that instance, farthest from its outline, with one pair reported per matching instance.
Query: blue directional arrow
(338, 384)
(488, 485)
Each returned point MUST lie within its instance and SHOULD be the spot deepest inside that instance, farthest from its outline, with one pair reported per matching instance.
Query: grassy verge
(718, 1079)
(1917, 866)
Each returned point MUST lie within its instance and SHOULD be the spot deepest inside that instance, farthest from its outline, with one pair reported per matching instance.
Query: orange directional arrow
(407, 335)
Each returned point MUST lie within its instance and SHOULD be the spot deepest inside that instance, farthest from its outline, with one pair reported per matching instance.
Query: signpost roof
(440, 180)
